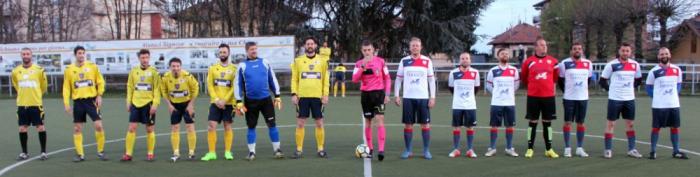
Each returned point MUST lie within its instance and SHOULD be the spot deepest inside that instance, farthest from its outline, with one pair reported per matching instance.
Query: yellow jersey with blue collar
(80, 82)
(30, 84)
(220, 82)
(143, 87)
(310, 77)
(180, 88)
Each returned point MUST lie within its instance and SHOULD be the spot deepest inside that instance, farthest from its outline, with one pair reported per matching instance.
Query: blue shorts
(666, 117)
(142, 115)
(218, 115)
(502, 116)
(463, 117)
(310, 106)
(415, 111)
(84, 107)
(615, 108)
(340, 76)
(180, 113)
(575, 110)
(30, 115)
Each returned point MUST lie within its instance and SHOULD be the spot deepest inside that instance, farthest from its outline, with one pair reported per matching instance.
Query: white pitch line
(367, 161)
(17, 164)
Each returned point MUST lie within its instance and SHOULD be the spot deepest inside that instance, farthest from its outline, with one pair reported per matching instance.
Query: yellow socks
(320, 138)
(191, 141)
(129, 143)
(335, 89)
(100, 140)
(151, 142)
(175, 142)
(299, 136)
(211, 139)
(342, 88)
(78, 142)
(228, 140)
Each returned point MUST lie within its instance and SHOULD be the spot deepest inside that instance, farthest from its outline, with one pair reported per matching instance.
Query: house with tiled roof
(519, 39)
(684, 41)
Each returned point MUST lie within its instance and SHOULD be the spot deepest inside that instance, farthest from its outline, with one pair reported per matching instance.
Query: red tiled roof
(522, 33)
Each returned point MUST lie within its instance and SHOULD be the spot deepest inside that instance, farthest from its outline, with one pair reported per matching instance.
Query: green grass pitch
(343, 134)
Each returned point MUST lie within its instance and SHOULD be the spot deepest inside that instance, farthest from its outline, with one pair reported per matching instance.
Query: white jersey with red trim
(622, 76)
(416, 76)
(463, 83)
(665, 81)
(502, 83)
(576, 74)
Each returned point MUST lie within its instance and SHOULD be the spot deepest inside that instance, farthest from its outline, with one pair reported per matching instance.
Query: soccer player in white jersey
(464, 82)
(501, 82)
(416, 74)
(574, 75)
(663, 85)
(624, 75)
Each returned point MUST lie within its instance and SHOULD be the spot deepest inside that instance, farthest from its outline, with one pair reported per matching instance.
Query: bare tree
(665, 10)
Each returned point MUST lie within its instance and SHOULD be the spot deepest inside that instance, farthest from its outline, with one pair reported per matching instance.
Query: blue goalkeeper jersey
(255, 80)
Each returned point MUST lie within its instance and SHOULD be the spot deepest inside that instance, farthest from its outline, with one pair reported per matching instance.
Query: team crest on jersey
(311, 67)
(674, 71)
(143, 78)
(512, 71)
(634, 66)
(425, 62)
(473, 74)
(549, 61)
(81, 75)
(585, 64)
(223, 74)
(177, 86)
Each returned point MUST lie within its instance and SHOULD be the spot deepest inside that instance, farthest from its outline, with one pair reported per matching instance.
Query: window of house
(694, 45)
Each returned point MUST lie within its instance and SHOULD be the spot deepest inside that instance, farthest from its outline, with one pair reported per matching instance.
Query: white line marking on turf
(17, 164)
(367, 161)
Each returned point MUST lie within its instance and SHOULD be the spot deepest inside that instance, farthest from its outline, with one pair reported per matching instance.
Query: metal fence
(117, 82)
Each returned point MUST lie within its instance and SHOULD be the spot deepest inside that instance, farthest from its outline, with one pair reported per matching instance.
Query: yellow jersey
(179, 89)
(340, 69)
(220, 82)
(30, 84)
(143, 87)
(84, 81)
(310, 77)
(325, 51)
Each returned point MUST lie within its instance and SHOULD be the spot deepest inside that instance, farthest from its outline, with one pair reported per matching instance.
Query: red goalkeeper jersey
(540, 75)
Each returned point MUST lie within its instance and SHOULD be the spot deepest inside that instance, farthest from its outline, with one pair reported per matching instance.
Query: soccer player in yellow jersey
(325, 50)
(220, 86)
(310, 85)
(339, 75)
(142, 100)
(30, 82)
(180, 89)
(83, 83)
